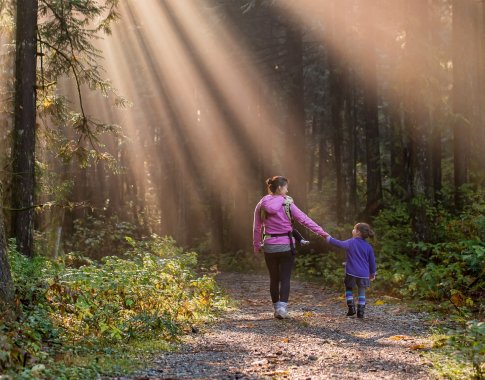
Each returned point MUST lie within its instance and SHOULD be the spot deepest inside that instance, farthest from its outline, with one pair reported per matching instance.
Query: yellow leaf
(419, 346)
(458, 299)
(398, 337)
(47, 103)
(308, 314)
(247, 326)
(277, 373)
(379, 302)
(285, 340)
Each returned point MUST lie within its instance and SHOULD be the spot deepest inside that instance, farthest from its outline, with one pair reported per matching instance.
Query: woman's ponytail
(274, 182)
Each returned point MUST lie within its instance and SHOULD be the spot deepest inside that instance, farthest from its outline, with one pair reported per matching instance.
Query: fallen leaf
(285, 340)
(418, 346)
(399, 337)
(458, 299)
(247, 326)
(277, 373)
(308, 314)
(379, 302)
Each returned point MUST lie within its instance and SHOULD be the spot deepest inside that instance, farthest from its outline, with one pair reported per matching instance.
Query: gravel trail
(317, 342)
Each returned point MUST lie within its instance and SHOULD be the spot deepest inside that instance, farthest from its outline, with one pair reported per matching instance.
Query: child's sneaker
(351, 310)
(360, 311)
(304, 242)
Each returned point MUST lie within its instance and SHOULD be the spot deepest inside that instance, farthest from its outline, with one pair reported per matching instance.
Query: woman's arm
(257, 225)
(304, 220)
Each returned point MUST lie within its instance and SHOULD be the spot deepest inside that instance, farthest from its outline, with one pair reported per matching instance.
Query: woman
(278, 244)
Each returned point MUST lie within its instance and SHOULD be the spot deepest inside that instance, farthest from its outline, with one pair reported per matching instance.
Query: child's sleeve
(372, 262)
(257, 225)
(345, 244)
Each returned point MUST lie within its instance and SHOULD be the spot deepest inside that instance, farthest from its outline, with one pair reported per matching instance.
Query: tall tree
(295, 134)
(23, 152)
(371, 120)
(6, 284)
(462, 106)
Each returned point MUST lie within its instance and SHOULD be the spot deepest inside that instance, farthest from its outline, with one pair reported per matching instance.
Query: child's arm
(372, 264)
(345, 244)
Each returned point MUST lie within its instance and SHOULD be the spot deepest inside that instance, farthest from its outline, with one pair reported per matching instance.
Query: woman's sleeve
(304, 220)
(345, 244)
(257, 224)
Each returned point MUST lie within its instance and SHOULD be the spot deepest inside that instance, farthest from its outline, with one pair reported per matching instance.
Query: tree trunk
(216, 221)
(337, 87)
(417, 114)
(349, 151)
(23, 152)
(371, 122)
(436, 154)
(6, 284)
(322, 155)
(295, 155)
(461, 101)
(312, 143)
(336, 92)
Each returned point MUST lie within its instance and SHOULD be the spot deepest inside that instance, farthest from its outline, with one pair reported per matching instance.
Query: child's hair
(274, 182)
(365, 230)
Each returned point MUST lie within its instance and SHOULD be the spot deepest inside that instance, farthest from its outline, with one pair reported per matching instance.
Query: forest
(136, 138)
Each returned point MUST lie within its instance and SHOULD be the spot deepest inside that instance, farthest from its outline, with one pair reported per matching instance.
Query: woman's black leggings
(279, 266)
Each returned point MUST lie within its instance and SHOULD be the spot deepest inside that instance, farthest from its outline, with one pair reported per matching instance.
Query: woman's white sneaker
(281, 310)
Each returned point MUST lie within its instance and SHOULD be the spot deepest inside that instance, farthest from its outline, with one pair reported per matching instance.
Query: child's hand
(372, 277)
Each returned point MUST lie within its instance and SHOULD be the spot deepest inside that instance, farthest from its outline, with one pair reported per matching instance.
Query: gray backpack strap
(287, 205)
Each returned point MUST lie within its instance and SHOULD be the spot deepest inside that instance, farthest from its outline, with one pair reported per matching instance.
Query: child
(360, 268)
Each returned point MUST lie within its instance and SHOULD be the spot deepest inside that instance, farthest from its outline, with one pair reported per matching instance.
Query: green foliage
(96, 237)
(151, 293)
(460, 353)
(234, 261)
(469, 346)
(448, 267)
(123, 299)
(326, 267)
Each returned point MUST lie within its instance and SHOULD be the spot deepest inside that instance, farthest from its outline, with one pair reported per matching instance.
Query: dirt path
(318, 342)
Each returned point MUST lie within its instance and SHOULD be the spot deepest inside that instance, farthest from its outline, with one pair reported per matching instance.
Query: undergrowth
(106, 316)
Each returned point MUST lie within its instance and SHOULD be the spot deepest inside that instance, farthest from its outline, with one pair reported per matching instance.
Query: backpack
(287, 206)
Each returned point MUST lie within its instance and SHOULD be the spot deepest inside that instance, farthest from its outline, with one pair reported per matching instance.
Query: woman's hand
(372, 277)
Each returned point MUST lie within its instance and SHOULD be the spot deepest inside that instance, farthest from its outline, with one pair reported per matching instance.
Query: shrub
(96, 237)
(153, 292)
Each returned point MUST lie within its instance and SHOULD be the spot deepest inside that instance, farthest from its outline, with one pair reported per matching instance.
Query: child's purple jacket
(277, 222)
(360, 256)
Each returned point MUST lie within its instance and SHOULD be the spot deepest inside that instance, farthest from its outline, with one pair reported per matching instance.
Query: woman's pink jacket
(276, 221)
